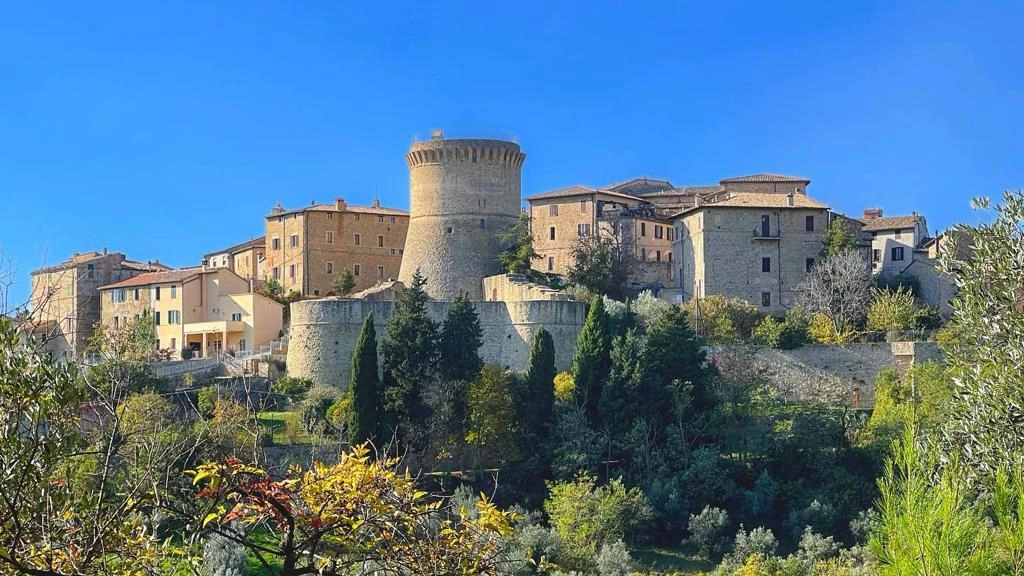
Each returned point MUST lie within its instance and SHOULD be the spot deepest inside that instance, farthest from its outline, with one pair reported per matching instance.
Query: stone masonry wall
(516, 288)
(323, 333)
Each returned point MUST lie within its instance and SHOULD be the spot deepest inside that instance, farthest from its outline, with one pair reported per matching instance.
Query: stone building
(462, 195)
(755, 239)
(245, 259)
(894, 240)
(210, 310)
(65, 299)
(308, 248)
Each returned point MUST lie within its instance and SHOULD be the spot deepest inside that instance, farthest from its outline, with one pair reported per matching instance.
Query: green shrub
(787, 334)
(206, 401)
(707, 530)
(187, 353)
(722, 320)
(313, 410)
(292, 386)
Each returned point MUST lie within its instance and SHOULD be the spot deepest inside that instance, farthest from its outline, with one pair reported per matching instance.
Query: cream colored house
(894, 240)
(245, 259)
(210, 310)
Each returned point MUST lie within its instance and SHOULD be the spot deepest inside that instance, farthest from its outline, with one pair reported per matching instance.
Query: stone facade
(462, 194)
(758, 251)
(323, 333)
(307, 249)
(65, 301)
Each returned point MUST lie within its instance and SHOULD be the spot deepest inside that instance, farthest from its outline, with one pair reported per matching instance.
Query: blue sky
(169, 131)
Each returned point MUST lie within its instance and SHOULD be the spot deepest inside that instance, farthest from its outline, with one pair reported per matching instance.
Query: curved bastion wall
(323, 333)
(462, 194)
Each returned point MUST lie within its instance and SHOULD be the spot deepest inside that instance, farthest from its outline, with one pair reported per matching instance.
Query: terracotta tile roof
(685, 191)
(381, 210)
(84, 257)
(891, 222)
(156, 278)
(579, 190)
(144, 266)
(261, 241)
(766, 178)
(756, 200)
(639, 186)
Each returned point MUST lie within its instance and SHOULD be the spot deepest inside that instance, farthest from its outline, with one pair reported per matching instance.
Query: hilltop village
(753, 238)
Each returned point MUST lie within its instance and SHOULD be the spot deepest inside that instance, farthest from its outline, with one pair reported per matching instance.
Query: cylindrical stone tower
(462, 194)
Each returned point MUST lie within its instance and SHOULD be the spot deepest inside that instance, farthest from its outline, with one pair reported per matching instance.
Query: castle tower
(462, 194)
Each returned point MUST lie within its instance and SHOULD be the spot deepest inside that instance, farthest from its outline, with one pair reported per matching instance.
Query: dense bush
(707, 530)
(206, 400)
(788, 334)
(721, 320)
(314, 407)
(292, 386)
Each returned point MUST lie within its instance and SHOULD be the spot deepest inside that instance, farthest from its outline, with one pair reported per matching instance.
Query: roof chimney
(277, 209)
(339, 204)
(872, 213)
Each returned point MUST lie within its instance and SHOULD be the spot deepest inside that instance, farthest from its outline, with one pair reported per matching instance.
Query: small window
(380, 241)
(275, 244)
(876, 255)
(380, 218)
(668, 233)
(357, 240)
(156, 317)
(898, 231)
(765, 225)
(449, 230)
(355, 270)
(174, 317)
(380, 271)
(766, 264)
(643, 254)
(583, 206)
(330, 237)
(295, 241)
(136, 294)
(392, 219)
(291, 271)
(236, 317)
(657, 255)
(897, 254)
(809, 223)
(174, 292)
(483, 223)
(174, 343)
(275, 273)
(117, 323)
(357, 217)
(330, 267)
(808, 264)
(659, 231)
(766, 299)
(90, 270)
(643, 228)
(551, 233)
(157, 293)
(553, 210)
(393, 251)
(551, 263)
(583, 230)
(669, 254)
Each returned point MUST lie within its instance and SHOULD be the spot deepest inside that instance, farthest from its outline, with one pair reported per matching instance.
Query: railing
(185, 366)
(760, 234)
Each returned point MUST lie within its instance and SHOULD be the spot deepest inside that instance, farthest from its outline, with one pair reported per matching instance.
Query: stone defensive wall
(323, 333)
(834, 373)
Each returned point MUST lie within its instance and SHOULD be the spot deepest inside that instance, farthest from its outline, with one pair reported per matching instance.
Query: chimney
(104, 250)
(376, 202)
(277, 209)
(339, 204)
(872, 213)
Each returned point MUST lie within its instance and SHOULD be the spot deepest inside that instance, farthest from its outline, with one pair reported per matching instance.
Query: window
(659, 231)
(392, 220)
(643, 228)
(380, 218)
(876, 255)
(553, 210)
(897, 254)
(657, 255)
(330, 237)
(583, 230)
(118, 295)
(357, 240)
(291, 271)
(174, 343)
(668, 232)
(90, 271)
(643, 254)
(174, 292)
(236, 317)
(765, 225)
(330, 267)
(809, 223)
(380, 241)
(275, 244)
(117, 324)
(551, 263)
(136, 293)
(157, 344)
(174, 317)
(157, 293)
(380, 271)
(483, 223)
(275, 273)
(766, 299)
(766, 264)
(583, 206)
(355, 270)
(449, 230)
(357, 217)
(295, 241)
(898, 233)
(808, 264)
(669, 256)
(551, 233)
(393, 252)
(156, 317)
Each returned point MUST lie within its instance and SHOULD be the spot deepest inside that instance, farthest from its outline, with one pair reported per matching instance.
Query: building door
(765, 226)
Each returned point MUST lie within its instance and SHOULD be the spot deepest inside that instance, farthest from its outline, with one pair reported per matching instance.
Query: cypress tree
(410, 357)
(364, 387)
(591, 361)
(461, 338)
(672, 352)
(537, 405)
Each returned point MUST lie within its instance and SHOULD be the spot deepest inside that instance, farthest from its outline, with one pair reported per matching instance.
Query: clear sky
(167, 131)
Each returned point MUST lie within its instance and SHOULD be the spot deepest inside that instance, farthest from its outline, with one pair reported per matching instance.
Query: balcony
(762, 234)
(214, 327)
